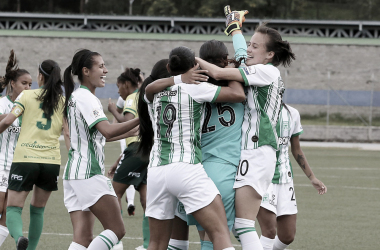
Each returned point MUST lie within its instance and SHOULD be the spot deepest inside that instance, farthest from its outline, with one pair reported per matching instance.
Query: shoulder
(262, 68)
(294, 112)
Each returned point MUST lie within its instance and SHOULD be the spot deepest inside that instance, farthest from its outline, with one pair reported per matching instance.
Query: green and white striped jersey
(264, 89)
(8, 139)
(177, 116)
(288, 125)
(86, 154)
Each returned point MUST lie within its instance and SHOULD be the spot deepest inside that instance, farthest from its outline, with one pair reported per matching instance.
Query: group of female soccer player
(205, 147)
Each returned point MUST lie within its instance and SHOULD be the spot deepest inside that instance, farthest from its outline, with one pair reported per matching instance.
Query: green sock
(35, 226)
(207, 245)
(14, 222)
(201, 243)
(146, 232)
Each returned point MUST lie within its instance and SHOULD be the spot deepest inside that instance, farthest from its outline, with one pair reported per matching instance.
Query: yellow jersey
(130, 106)
(38, 140)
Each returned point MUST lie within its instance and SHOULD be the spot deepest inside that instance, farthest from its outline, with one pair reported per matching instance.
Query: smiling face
(95, 77)
(24, 82)
(257, 52)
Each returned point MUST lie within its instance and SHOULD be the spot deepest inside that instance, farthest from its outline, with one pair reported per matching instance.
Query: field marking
(348, 187)
(338, 176)
(333, 168)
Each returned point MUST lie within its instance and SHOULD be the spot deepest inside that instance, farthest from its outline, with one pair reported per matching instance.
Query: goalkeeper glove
(234, 19)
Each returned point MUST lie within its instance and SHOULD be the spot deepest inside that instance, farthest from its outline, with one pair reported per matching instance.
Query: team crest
(129, 103)
(266, 197)
(285, 125)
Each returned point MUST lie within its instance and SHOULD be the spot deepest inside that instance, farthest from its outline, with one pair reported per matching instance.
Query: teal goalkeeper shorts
(223, 175)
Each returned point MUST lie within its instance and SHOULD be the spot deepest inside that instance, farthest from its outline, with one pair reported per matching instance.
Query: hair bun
(175, 61)
(136, 72)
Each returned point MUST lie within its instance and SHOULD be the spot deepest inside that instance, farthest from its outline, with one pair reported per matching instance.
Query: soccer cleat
(131, 210)
(22, 243)
(140, 248)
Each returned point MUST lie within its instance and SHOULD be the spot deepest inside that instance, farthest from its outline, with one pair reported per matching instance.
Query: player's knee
(120, 232)
(269, 232)
(287, 239)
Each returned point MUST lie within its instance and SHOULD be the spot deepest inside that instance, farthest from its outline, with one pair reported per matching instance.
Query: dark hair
(12, 73)
(131, 75)
(181, 59)
(52, 89)
(282, 51)
(146, 130)
(82, 58)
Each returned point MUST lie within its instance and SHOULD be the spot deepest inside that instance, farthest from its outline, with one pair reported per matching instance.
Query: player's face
(97, 74)
(123, 89)
(24, 82)
(257, 51)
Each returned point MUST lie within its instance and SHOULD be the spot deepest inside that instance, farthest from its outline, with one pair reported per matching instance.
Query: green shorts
(132, 170)
(23, 175)
(223, 175)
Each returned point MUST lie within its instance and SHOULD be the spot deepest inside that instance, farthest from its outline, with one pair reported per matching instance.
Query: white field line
(334, 168)
(348, 187)
(338, 176)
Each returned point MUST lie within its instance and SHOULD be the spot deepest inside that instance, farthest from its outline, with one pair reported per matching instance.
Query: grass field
(347, 217)
(178, 37)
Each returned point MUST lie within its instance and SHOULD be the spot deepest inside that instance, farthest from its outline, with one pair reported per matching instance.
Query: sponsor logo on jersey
(14, 129)
(16, 177)
(283, 140)
(71, 104)
(134, 174)
(129, 103)
(250, 70)
(96, 113)
(4, 181)
(167, 93)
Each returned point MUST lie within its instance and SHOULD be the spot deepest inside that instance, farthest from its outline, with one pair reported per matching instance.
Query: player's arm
(7, 121)
(130, 133)
(302, 162)
(2, 116)
(234, 93)
(112, 130)
(112, 170)
(115, 111)
(218, 73)
(66, 133)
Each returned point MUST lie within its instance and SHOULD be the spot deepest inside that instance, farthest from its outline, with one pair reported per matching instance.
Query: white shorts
(256, 168)
(4, 175)
(280, 199)
(82, 194)
(185, 182)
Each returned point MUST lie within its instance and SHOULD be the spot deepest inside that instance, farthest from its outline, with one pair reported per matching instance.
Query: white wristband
(177, 79)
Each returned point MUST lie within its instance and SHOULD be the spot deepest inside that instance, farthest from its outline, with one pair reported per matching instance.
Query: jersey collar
(135, 91)
(269, 64)
(9, 98)
(84, 87)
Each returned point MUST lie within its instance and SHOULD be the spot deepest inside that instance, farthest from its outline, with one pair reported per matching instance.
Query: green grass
(179, 37)
(345, 218)
(337, 120)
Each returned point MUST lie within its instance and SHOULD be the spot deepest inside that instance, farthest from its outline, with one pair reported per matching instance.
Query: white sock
(3, 234)
(235, 233)
(178, 244)
(246, 231)
(266, 242)
(118, 246)
(229, 248)
(104, 241)
(278, 245)
(130, 193)
(76, 246)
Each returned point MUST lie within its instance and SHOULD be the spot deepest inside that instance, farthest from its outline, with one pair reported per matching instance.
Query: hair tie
(43, 71)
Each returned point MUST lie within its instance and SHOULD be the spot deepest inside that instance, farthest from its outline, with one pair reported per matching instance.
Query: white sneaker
(118, 246)
(140, 248)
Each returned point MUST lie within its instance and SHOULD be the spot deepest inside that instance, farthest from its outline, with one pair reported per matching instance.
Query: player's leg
(130, 199)
(286, 231)
(142, 189)
(160, 231)
(119, 190)
(83, 224)
(179, 238)
(16, 201)
(4, 174)
(253, 178)
(267, 221)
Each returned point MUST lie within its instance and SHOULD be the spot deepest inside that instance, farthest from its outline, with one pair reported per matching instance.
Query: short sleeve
(203, 92)
(19, 104)
(297, 130)
(259, 75)
(130, 105)
(120, 103)
(91, 110)
(2, 108)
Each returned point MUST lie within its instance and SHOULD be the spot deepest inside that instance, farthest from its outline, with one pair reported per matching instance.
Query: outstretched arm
(302, 162)
(6, 122)
(234, 93)
(112, 130)
(217, 73)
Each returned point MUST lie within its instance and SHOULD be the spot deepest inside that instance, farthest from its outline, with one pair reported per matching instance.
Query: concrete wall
(341, 133)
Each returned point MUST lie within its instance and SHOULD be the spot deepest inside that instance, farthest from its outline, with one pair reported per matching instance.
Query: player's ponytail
(283, 54)
(52, 89)
(181, 59)
(82, 58)
(12, 73)
(146, 130)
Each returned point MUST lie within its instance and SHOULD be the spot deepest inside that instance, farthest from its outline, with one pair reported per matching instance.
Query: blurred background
(334, 82)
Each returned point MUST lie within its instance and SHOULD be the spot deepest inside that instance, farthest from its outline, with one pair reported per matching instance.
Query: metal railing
(183, 25)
